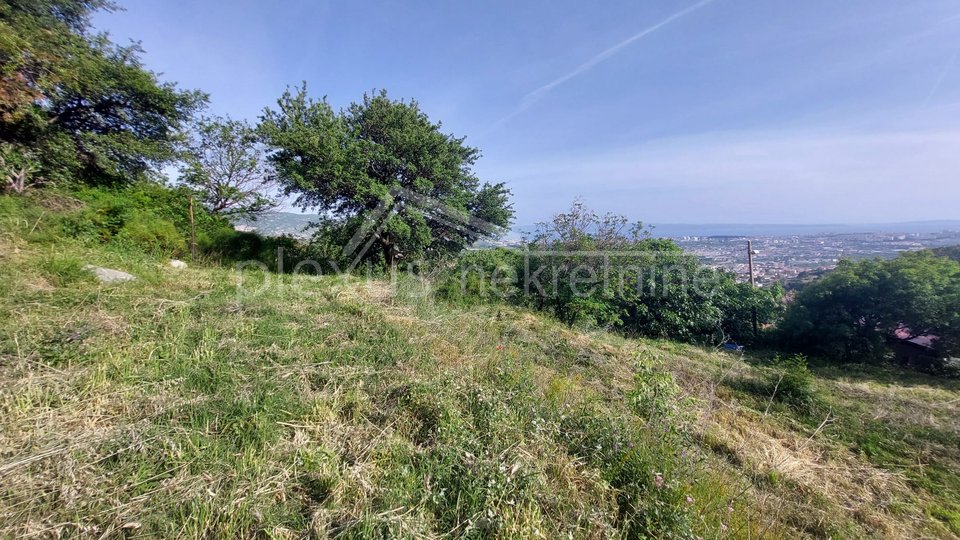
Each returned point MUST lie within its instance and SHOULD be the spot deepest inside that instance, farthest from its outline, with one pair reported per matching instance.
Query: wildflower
(723, 527)
(658, 480)
(689, 499)
(499, 347)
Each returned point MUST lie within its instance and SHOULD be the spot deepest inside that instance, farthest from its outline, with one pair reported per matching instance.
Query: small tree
(224, 160)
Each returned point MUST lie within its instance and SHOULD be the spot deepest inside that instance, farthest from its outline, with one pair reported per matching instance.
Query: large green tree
(382, 165)
(84, 107)
(852, 312)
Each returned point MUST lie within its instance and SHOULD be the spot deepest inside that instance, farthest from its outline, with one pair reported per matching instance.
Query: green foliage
(17, 169)
(738, 302)
(655, 396)
(224, 161)
(153, 218)
(86, 107)
(482, 277)
(153, 235)
(282, 254)
(790, 381)
(65, 270)
(850, 314)
(784, 383)
(602, 271)
(382, 153)
(138, 213)
(952, 252)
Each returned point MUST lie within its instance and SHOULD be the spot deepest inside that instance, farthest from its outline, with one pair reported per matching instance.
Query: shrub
(152, 234)
(483, 276)
(656, 395)
(851, 314)
(154, 217)
(791, 381)
(278, 253)
(602, 271)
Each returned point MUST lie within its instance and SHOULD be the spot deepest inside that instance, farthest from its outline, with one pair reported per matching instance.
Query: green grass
(180, 406)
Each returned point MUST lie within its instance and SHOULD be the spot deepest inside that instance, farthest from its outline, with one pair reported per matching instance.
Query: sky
(666, 111)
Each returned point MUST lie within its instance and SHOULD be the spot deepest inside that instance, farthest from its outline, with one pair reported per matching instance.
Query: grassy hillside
(195, 403)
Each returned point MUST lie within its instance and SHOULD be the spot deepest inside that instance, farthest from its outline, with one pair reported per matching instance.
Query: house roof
(904, 334)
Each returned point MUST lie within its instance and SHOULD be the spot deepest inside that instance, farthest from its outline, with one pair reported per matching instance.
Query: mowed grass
(208, 403)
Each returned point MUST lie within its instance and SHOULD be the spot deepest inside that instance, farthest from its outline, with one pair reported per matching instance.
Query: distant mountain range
(280, 223)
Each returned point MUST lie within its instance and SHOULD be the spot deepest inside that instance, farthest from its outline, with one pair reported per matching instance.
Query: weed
(65, 270)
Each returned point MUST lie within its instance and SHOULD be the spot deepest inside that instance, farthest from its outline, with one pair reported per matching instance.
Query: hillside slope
(208, 403)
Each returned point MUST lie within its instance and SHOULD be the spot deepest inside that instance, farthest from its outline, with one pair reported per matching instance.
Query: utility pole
(193, 232)
(753, 284)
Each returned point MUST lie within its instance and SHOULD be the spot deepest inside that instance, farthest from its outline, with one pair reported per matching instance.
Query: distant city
(788, 259)
(784, 253)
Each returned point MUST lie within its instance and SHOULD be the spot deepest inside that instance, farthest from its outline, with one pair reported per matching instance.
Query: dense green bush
(791, 381)
(483, 276)
(284, 254)
(601, 271)
(853, 312)
(152, 234)
(153, 218)
(106, 212)
(589, 273)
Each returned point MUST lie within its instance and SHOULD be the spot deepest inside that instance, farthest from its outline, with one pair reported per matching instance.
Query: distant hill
(280, 224)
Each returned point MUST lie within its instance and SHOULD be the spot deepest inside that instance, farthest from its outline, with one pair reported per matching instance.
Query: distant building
(918, 352)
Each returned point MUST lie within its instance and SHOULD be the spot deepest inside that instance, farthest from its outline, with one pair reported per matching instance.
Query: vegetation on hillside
(75, 105)
(210, 402)
(383, 160)
(852, 313)
(570, 389)
(601, 271)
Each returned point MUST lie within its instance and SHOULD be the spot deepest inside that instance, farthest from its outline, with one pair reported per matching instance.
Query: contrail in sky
(943, 74)
(535, 95)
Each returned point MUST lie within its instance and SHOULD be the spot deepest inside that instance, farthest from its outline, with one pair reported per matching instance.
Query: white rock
(177, 263)
(108, 275)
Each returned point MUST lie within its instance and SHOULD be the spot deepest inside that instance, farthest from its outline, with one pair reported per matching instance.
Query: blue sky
(718, 111)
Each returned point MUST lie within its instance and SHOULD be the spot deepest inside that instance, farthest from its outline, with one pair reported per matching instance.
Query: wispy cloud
(531, 98)
(612, 51)
(943, 73)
